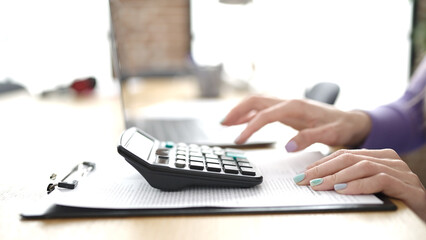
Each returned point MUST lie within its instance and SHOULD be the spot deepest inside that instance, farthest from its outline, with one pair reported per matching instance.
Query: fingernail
(299, 177)
(291, 146)
(223, 120)
(340, 186)
(316, 182)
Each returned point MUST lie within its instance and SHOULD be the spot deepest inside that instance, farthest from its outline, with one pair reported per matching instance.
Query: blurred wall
(419, 32)
(152, 36)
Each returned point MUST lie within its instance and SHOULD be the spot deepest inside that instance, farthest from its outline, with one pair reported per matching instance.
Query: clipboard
(58, 212)
(55, 211)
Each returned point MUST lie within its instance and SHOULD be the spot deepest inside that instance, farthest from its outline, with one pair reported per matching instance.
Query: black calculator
(173, 166)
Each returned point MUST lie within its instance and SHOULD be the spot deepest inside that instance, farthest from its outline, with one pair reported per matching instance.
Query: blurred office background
(269, 46)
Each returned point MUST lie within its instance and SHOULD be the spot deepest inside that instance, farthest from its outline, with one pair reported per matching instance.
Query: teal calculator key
(235, 155)
(169, 144)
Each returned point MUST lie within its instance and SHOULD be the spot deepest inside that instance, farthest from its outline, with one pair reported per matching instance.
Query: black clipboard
(58, 211)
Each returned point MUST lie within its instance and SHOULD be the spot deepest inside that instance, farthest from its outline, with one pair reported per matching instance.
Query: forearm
(396, 126)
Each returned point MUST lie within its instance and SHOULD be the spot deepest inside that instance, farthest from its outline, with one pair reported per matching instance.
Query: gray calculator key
(219, 153)
(211, 156)
(196, 165)
(211, 160)
(195, 154)
(213, 167)
(180, 163)
(227, 158)
(244, 164)
(227, 162)
(248, 171)
(230, 169)
(180, 152)
(192, 158)
(207, 151)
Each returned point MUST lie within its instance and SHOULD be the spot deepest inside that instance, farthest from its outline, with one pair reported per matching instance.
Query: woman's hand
(315, 121)
(366, 172)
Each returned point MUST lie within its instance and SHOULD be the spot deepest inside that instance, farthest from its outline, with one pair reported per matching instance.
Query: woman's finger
(266, 116)
(343, 161)
(382, 153)
(307, 137)
(240, 113)
(362, 169)
(244, 118)
(292, 113)
(387, 184)
(412, 195)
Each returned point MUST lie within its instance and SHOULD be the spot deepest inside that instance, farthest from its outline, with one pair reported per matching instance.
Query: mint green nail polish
(299, 177)
(340, 186)
(316, 182)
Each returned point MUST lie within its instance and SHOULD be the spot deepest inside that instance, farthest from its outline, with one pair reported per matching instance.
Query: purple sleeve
(399, 125)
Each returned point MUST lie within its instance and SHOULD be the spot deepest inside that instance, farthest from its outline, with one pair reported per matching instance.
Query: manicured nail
(221, 121)
(340, 186)
(316, 182)
(299, 177)
(291, 146)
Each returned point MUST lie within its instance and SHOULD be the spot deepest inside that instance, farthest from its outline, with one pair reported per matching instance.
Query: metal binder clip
(80, 170)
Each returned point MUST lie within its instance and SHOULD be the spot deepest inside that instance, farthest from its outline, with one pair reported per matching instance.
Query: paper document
(119, 186)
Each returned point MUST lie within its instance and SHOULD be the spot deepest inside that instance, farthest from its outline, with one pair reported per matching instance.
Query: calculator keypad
(205, 158)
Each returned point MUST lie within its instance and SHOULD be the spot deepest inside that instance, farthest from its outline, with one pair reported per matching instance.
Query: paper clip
(80, 170)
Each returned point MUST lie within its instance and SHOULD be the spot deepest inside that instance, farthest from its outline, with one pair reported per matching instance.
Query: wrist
(361, 124)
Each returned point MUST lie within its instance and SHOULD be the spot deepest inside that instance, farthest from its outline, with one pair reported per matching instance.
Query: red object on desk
(81, 86)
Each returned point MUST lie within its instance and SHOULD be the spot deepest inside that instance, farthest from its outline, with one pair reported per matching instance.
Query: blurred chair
(325, 92)
(8, 86)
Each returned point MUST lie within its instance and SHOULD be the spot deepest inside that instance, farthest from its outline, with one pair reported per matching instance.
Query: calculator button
(235, 155)
(219, 153)
(182, 149)
(230, 169)
(194, 146)
(207, 151)
(212, 160)
(181, 152)
(244, 164)
(211, 156)
(162, 159)
(181, 157)
(169, 144)
(200, 159)
(196, 165)
(231, 163)
(242, 160)
(248, 171)
(162, 152)
(213, 167)
(227, 158)
(180, 163)
(196, 154)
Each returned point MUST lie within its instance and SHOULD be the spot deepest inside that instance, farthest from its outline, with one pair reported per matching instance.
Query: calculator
(173, 166)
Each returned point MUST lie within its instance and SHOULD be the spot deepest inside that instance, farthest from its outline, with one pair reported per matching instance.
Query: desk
(38, 137)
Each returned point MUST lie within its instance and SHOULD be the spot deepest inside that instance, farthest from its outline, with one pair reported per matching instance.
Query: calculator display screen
(140, 145)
